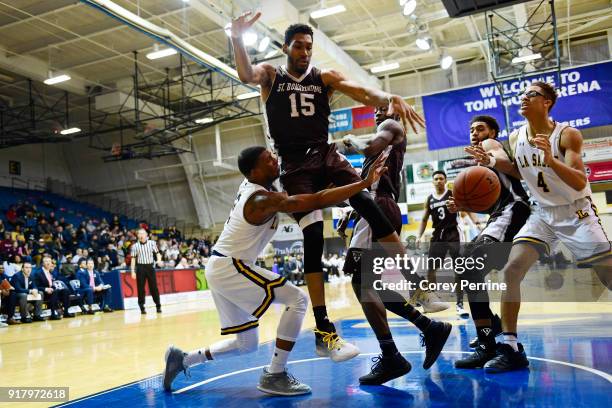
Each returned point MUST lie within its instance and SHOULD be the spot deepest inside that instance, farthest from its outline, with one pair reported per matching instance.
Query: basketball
(476, 189)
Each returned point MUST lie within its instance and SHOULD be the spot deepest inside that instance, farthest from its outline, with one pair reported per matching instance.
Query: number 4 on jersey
(541, 182)
(307, 108)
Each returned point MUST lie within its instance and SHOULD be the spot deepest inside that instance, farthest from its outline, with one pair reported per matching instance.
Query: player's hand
(398, 106)
(240, 24)
(479, 154)
(133, 275)
(452, 205)
(418, 241)
(377, 170)
(543, 143)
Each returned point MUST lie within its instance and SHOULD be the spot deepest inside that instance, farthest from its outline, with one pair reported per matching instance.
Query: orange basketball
(476, 189)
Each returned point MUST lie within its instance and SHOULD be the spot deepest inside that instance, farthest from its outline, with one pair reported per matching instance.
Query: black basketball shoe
(386, 369)
(433, 339)
(477, 359)
(507, 360)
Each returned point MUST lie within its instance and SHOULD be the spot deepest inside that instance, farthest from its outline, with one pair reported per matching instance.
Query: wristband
(492, 162)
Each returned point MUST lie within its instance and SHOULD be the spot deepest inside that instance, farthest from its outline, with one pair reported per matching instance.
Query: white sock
(195, 357)
(511, 340)
(279, 360)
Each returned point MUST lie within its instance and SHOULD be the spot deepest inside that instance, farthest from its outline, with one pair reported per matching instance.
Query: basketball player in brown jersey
(296, 98)
(390, 139)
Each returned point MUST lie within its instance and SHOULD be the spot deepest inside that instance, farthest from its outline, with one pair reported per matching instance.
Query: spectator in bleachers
(12, 218)
(39, 249)
(17, 234)
(24, 286)
(183, 264)
(76, 259)
(43, 228)
(116, 223)
(52, 292)
(8, 298)
(2, 227)
(6, 246)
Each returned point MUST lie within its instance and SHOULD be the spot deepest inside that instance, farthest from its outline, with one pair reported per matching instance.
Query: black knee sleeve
(365, 206)
(313, 247)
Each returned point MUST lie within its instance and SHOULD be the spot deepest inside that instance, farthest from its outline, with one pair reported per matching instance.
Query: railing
(24, 183)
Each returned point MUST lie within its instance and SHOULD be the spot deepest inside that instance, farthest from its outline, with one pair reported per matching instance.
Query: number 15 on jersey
(306, 105)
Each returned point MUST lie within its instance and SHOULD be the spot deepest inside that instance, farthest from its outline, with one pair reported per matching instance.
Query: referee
(142, 268)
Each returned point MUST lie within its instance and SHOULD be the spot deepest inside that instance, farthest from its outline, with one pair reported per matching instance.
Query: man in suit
(8, 299)
(92, 286)
(53, 293)
(24, 286)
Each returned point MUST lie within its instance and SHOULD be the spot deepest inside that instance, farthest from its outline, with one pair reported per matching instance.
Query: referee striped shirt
(144, 253)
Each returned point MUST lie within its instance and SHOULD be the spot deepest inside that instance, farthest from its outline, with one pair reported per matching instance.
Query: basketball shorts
(577, 225)
(443, 241)
(314, 170)
(242, 292)
(504, 225)
(362, 233)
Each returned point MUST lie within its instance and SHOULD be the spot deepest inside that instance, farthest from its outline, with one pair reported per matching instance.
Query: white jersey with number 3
(241, 239)
(545, 186)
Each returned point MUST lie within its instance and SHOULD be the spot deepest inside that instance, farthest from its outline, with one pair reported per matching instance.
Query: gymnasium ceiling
(37, 36)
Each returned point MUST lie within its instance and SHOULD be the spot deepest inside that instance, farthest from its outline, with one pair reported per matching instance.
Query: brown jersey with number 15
(297, 110)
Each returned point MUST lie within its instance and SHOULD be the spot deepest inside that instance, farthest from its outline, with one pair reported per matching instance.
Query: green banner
(201, 280)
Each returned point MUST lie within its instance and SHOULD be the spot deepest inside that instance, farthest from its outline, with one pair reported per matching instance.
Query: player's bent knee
(248, 341)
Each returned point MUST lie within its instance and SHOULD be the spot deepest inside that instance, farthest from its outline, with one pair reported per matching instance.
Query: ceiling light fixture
(70, 131)
(247, 95)
(526, 58)
(249, 38)
(57, 79)
(166, 52)
(204, 120)
(446, 61)
(424, 43)
(409, 7)
(324, 12)
(263, 44)
(385, 67)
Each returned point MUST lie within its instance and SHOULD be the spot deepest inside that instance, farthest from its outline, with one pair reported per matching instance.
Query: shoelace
(292, 379)
(331, 339)
(422, 340)
(377, 362)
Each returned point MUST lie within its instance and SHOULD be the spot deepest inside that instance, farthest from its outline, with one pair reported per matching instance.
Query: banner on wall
(452, 168)
(421, 172)
(581, 104)
(283, 248)
(416, 193)
(599, 149)
(352, 118)
(599, 172)
(341, 120)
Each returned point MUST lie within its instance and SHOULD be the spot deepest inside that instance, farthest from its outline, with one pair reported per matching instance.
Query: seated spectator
(14, 266)
(52, 292)
(116, 223)
(17, 234)
(12, 217)
(39, 250)
(92, 287)
(2, 227)
(183, 264)
(8, 299)
(77, 258)
(6, 246)
(24, 286)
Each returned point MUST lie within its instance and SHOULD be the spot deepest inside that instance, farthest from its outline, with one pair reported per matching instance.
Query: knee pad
(364, 204)
(247, 341)
(313, 247)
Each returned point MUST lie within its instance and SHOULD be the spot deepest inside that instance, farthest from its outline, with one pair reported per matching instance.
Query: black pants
(54, 299)
(146, 273)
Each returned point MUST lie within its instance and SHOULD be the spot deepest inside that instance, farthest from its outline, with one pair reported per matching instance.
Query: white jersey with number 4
(241, 239)
(546, 187)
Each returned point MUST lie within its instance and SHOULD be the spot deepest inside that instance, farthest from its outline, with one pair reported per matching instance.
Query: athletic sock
(196, 357)
(387, 345)
(322, 321)
(279, 361)
(486, 337)
(511, 339)
(395, 303)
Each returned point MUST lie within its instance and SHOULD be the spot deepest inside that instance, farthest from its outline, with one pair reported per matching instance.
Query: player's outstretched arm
(572, 170)
(493, 149)
(374, 97)
(260, 74)
(263, 205)
(390, 132)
